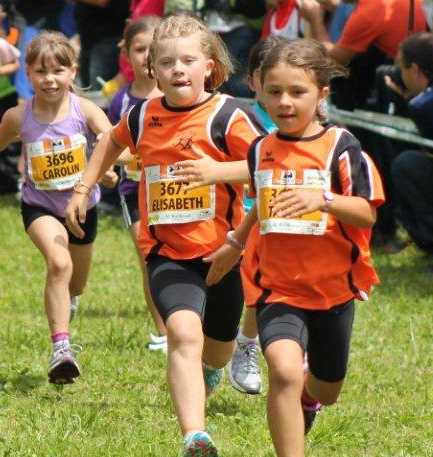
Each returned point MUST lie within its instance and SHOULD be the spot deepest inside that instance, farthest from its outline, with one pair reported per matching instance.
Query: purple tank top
(55, 156)
(122, 101)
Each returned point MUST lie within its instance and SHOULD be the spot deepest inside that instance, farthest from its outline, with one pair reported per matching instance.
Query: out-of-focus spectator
(412, 170)
(340, 12)
(100, 25)
(370, 38)
(283, 19)
(239, 24)
(66, 20)
(140, 8)
(9, 64)
(33, 19)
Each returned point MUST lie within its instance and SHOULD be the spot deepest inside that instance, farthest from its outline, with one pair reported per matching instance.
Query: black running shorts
(180, 284)
(31, 213)
(325, 335)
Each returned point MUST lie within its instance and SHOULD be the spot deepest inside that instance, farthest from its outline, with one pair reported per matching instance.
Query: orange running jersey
(316, 261)
(176, 223)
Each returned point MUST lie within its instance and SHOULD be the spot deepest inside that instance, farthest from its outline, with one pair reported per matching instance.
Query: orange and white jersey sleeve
(242, 131)
(121, 135)
(357, 174)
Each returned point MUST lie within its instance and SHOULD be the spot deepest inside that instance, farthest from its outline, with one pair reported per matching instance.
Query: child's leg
(245, 368)
(249, 327)
(220, 325)
(51, 238)
(286, 380)
(328, 352)
(283, 336)
(81, 255)
(179, 292)
(185, 378)
(159, 324)
(81, 251)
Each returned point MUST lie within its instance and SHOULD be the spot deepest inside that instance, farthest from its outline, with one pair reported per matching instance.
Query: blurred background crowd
(390, 62)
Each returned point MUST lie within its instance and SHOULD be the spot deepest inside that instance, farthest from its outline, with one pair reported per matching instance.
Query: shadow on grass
(221, 406)
(23, 382)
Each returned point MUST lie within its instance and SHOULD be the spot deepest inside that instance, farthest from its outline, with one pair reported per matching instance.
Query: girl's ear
(210, 65)
(324, 93)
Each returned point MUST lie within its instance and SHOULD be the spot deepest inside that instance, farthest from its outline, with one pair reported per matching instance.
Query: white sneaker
(62, 367)
(157, 343)
(244, 370)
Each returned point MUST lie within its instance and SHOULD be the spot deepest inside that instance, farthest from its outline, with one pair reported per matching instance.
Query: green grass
(121, 407)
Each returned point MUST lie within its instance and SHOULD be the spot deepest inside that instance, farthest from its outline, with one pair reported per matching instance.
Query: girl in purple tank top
(57, 129)
(136, 42)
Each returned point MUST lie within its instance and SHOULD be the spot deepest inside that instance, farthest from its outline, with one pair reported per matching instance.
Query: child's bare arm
(125, 157)
(9, 68)
(96, 119)
(206, 170)
(226, 257)
(104, 155)
(10, 126)
(355, 211)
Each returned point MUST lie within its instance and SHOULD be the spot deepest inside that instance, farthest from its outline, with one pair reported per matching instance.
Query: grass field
(120, 406)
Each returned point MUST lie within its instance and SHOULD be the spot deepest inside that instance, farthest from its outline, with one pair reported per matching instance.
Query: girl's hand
(293, 203)
(109, 179)
(198, 172)
(222, 261)
(75, 213)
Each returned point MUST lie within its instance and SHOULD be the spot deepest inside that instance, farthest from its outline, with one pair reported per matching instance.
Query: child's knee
(181, 334)
(59, 266)
(287, 375)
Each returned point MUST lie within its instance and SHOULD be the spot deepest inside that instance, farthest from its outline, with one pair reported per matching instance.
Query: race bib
(269, 186)
(56, 164)
(133, 168)
(168, 201)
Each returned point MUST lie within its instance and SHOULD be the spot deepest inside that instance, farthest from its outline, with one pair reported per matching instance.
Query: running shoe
(199, 444)
(212, 378)
(244, 370)
(310, 413)
(62, 367)
(157, 343)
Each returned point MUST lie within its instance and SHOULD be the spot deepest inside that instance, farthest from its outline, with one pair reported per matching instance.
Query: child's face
(138, 52)
(181, 69)
(49, 79)
(291, 97)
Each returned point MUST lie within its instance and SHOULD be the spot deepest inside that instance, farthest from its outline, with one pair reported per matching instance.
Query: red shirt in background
(140, 8)
(384, 23)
